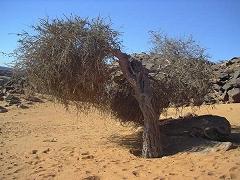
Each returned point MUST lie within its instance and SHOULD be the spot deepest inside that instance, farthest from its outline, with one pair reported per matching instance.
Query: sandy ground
(46, 142)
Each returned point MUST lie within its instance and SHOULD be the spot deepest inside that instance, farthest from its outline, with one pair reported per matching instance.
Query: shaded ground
(46, 142)
(182, 142)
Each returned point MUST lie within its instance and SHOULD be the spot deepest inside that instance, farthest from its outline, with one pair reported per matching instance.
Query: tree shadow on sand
(190, 134)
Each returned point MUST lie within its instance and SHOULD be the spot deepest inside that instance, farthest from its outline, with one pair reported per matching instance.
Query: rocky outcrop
(5, 71)
(12, 91)
(226, 82)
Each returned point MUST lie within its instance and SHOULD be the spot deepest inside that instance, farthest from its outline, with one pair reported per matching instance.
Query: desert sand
(47, 142)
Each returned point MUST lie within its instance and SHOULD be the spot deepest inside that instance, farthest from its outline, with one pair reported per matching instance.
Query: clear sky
(215, 24)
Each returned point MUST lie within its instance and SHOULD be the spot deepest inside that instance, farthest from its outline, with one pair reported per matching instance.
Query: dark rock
(225, 97)
(229, 63)
(8, 88)
(88, 157)
(224, 76)
(135, 173)
(235, 58)
(22, 106)
(220, 83)
(33, 99)
(12, 100)
(3, 109)
(29, 103)
(92, 178)
(46, 150)
(208, 99)
(34, 151)
(236, 83)
(234, 95)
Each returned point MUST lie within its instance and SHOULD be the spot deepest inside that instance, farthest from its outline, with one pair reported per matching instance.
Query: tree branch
(125, 66)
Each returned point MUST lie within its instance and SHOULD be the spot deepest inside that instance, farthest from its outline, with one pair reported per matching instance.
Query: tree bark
(137, 76)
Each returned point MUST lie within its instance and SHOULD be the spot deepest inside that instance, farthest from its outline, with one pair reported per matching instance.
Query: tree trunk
(137, 76)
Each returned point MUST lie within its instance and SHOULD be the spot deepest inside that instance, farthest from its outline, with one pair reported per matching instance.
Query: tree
(72, 59)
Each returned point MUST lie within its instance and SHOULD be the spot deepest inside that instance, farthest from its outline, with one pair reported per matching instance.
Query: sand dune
(46, 142)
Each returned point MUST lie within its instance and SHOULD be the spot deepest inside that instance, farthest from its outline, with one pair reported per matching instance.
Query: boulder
(224, 76)
(234, 95)
(236, 74)
(236, 83)
(227, 86)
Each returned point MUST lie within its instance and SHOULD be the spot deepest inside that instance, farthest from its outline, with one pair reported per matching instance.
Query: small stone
(222, 177)
(88, 157)
(92, 178)
(135, 173)
(3, 109)
(210, 173)
(46, 151)
(22, 106)
(33, 99)
(29, 103)
(34, 151)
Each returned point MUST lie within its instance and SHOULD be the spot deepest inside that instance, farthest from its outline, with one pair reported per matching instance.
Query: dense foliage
(67, 58)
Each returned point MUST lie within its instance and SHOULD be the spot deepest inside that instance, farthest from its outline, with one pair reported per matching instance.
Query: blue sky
(215, 24)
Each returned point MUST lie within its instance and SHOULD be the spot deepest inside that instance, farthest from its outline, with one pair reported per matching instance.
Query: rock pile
(226, 82)
(12, 92)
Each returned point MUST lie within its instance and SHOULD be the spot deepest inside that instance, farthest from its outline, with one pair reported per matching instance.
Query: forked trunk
(137, 76)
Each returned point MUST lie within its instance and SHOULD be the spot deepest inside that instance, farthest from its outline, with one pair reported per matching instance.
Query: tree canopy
(68, 58)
